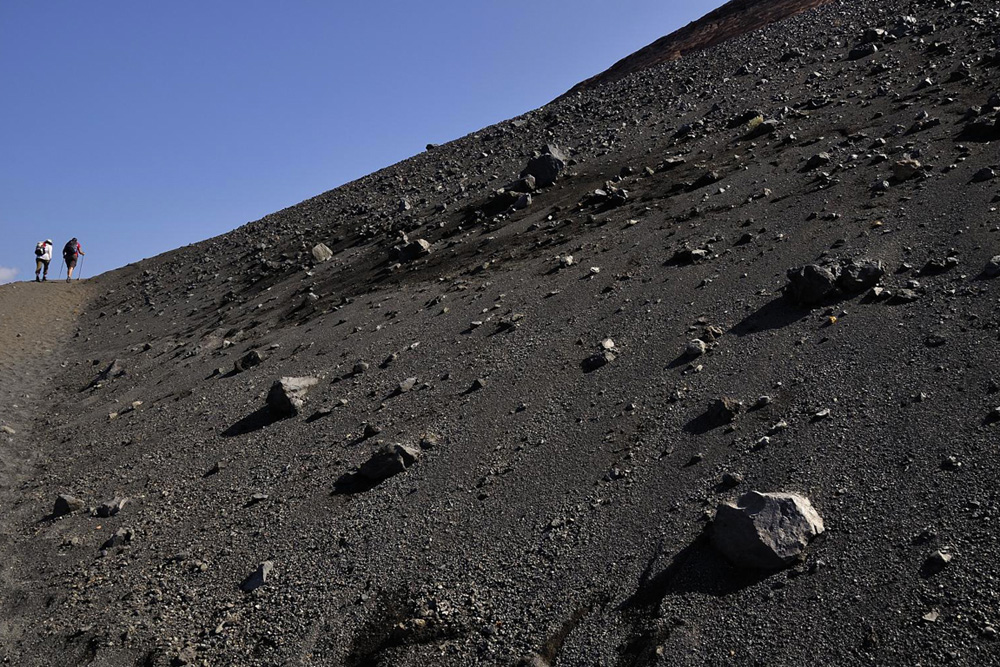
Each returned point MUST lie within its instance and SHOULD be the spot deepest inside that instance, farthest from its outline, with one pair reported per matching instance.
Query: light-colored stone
(287, 395)
(321, 253)
(695, 348)
(765, 531)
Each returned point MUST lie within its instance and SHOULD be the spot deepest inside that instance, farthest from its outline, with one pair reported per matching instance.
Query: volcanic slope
(557, 510)
(733, 19)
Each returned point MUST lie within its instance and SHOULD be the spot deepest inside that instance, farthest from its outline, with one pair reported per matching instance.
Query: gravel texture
(512, 453)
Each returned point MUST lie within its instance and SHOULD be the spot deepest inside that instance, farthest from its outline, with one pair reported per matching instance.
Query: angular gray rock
(249, 360)
(860, 274)
(110, 507)
(523, 185)
(546, 167)
(388, 461)
(258, 578)
(765, 531)
(906, 169)
(863, 51)
(810, 284)
(121, 537)
(321, 253)
(762, 129)
(414, 250)
(695, 348)
(67, 504)
(818, 160)
(724, 410)
(288, 394)
(992, 268)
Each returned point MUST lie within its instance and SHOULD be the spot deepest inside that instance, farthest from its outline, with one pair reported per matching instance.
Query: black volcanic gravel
(557, 512)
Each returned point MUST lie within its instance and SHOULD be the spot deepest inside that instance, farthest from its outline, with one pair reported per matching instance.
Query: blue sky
(140, 127)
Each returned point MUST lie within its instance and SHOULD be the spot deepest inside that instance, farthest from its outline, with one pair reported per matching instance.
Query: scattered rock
(904, 296)
(761, 129)
(951, 463)
(321, 253)
(731, 480)
(545, 168)
(287, 395)
(765, 531)
(992, 268)
(863, 51)
(820, 415)
(818, 160)
(810, 284)
(724, 410)
(258, 578)
(414, 250)
(695, 348)
(249, 360)
(110, 507)
(906, 169)
(708, 178)
(67, 504)
(858, 275)
(121, 537)
(935, 563)
(597, 360)
(388, 461)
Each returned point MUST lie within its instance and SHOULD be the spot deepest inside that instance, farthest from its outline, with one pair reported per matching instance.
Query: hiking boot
(37, 279)
(67, 280)
(45, 279)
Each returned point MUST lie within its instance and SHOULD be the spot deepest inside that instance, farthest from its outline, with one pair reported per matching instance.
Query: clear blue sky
(143, 126)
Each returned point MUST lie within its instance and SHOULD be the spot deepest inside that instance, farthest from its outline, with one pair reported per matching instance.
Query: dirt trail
(36, 324)
(36, 319)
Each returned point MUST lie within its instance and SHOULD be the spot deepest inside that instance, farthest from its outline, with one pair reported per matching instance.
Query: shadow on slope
(698, 568)
(255, 421)
(775, 314)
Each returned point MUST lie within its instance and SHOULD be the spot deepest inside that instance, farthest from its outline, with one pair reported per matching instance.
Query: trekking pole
(62, 263)
(80, 275)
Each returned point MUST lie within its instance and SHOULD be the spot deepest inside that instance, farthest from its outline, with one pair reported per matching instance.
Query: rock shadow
(698, 568)
(319, 414)
(352, 483)
(775, 314)
(704, 423)
(683, 359)
(255, 421)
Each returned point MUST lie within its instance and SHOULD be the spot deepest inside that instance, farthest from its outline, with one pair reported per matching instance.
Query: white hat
(48, 240)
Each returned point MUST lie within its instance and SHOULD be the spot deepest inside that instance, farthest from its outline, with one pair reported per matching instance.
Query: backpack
(40, 249)
(69, 251)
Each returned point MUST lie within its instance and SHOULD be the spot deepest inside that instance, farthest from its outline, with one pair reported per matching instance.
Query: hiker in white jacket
(43, 255)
